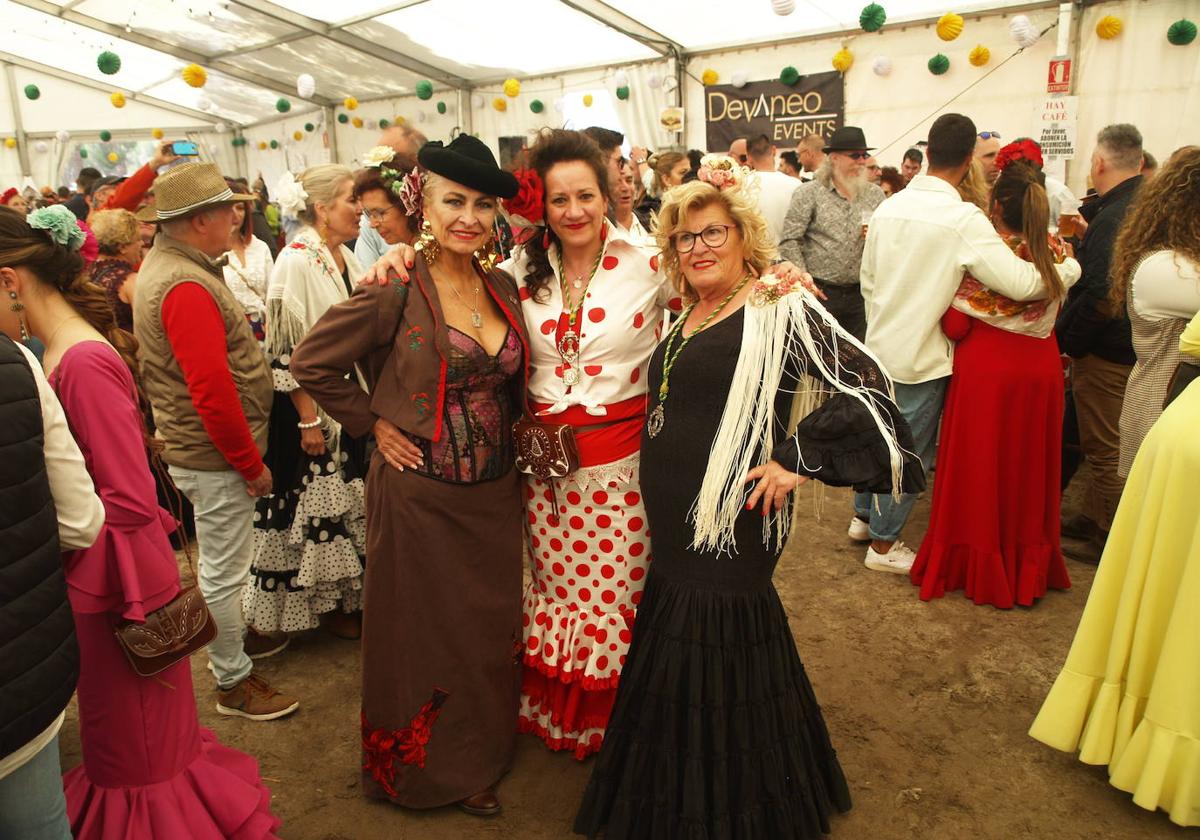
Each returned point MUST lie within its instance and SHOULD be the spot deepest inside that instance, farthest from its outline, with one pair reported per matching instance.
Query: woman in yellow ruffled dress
(1129, 694)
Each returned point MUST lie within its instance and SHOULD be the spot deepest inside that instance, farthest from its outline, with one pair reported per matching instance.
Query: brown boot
(343, 625)
(483, 804)
(254, 698)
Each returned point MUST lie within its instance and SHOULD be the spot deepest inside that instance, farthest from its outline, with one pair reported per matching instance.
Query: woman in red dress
(994, 528)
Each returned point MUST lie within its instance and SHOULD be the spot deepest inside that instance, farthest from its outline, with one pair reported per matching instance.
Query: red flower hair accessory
(1026, 150)
(90, 249)
(527, 208)
(9, 195)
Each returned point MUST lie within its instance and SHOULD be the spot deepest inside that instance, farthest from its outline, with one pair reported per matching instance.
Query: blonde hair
(682, 201)
(974, 189)
(114, 230)
(322, 184)
(662, 164)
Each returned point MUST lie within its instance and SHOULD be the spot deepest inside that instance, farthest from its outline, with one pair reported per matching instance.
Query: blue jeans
(32, 805)
(921, 406)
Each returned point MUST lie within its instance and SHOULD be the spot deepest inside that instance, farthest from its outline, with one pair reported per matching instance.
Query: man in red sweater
(210, 388)
(115, 193)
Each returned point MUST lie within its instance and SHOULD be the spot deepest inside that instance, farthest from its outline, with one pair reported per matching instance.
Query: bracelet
(306, 426)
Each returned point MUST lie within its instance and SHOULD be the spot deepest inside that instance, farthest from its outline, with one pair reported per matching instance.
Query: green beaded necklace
(568, 346)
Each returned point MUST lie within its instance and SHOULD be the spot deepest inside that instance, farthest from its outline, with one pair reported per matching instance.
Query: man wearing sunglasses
(825, 226)
(987, 144)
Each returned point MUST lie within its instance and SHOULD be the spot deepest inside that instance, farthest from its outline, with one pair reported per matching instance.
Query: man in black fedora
(826, 226)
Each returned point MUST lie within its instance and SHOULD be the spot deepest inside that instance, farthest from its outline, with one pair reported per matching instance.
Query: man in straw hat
(210, 389)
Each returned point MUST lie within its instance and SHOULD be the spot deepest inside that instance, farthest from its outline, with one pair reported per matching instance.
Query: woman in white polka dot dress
(310, 535)
(594, 303)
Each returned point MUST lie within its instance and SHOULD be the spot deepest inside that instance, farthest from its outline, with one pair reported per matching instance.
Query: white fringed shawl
(777, 334)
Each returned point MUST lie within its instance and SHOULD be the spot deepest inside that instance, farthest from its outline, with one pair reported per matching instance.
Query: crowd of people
(533, 435)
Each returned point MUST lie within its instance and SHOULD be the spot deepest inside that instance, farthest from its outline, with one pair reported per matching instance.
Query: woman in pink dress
(149, 769)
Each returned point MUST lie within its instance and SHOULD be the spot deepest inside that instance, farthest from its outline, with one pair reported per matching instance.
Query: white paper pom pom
(669, 84)
(882, 66)
(306, 85)
(421, 116)
(738, 79)
(41, 147)
(203, 102)
(1023, 31)
(783, 7)
(220, 128)
(62, 135)
(654, 80)
(621, 78)
(558, 105)
(477, 100)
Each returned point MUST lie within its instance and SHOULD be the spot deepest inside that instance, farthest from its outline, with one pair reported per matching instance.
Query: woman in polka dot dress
(594, 303)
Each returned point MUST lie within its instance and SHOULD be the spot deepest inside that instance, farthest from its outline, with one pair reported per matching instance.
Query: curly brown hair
(1162, 217)
(371, 178)
(552, 147)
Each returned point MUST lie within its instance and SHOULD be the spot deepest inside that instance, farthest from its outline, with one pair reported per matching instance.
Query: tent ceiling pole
(618, 21)
(395, 7)
(345, 39)
(466, 118)
(18, 126)
(331, 134)
(54, 72)
(163, 47)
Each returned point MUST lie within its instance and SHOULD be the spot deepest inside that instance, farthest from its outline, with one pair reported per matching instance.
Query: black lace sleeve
(840, 443)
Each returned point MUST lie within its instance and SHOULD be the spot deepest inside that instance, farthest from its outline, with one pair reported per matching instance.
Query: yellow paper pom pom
(950, 26)
(511, 88)
(709, 77)
(587, 100)
(357, 122)
(117, 99)
(157, 134)
(500, 104)
(297, 135)
(262, 145)
(980, 56)
(398, 120)
(194, 75)
(10, 142)
(842, 60)
(1109, 27)
(350, 103)
(113, 157)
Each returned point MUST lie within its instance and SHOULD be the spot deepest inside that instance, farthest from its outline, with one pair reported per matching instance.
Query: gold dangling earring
(488, 256)
(19, 307)
(427, 244)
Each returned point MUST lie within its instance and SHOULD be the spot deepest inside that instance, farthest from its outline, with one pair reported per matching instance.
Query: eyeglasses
(714, 236)
(377, 215)
(857, 155)
(743, 158)
(988, 135)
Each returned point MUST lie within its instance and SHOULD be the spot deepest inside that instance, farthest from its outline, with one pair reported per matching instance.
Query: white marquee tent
(561, 51)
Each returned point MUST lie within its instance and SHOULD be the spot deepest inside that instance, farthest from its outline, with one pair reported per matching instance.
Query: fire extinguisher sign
(1059, 79)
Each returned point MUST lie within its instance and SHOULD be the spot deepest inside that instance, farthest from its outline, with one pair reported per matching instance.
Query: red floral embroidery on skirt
(383, 747)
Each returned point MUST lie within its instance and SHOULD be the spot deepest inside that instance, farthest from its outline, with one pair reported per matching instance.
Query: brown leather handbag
(170, 633)
(547, 450)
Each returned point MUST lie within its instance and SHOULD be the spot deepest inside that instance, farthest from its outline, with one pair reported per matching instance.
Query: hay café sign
(785, 113)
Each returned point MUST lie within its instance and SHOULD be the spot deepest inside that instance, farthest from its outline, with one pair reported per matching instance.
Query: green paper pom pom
(536, 106)
(282, 105)
(441, 107)
(939, 64)
(108, 62)
(383, 123)
(789, 75)
(32, 92)
(274, 144)
(424, 89)
(83, 153)
(623, 93)
(872, 18)
(1182, 32)
(343, 119)
(310, 128)
(105, 136)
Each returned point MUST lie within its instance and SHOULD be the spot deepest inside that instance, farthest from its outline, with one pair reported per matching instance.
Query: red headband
(9, 195)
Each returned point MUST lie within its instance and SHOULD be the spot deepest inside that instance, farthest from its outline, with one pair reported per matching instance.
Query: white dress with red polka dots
(588, 562)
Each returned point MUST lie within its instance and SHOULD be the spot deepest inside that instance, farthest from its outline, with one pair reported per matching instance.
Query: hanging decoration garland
(587, 100)
(511, 88)
(105, 135)
(872, 18)
(282, 105)
(622, 93)
(1109, 27)
(1023, 31)
(500, 104)
(939, 64)
(157, 134)
(882, 66)
(343, 118)
(108, 63)
(424, 89)
(789, 75)
(441, 107)
(980, 56)
(783, 8)
(949, 26)
(32, 92)
(306, 86)
(843, 59)
(113, 157)
(1182, 32)
(350, 103)
(117, 99)
(194, 75)
(709, 77)
(536, 106)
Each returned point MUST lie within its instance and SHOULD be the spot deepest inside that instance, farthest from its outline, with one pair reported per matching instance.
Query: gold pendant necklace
(658, 417)
(568, 345)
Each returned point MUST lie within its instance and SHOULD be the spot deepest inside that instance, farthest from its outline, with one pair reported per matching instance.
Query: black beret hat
(468, 161)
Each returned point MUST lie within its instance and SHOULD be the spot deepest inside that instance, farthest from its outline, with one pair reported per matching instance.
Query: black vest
(39, 660)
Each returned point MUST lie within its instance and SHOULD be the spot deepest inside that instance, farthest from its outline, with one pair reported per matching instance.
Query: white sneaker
(898, 561)
(859, 531)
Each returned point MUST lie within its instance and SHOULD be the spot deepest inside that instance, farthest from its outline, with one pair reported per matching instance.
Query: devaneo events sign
(785, 113)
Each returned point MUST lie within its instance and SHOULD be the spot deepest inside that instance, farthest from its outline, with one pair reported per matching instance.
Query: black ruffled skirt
(716, 733)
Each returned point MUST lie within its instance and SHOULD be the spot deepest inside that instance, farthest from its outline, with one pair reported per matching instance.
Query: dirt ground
(928, 705)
